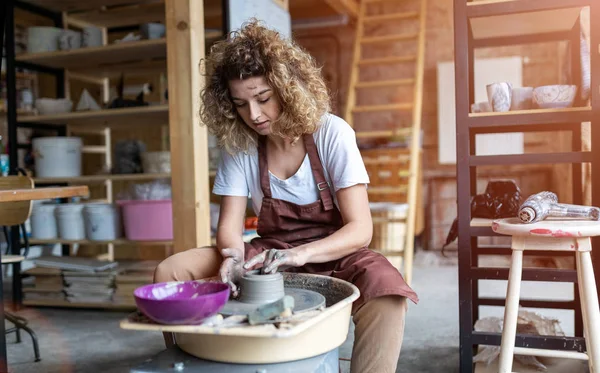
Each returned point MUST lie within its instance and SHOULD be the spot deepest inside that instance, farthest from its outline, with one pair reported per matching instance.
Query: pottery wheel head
(257, 289)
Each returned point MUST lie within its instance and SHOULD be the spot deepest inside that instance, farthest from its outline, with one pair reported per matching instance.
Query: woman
(267, 104)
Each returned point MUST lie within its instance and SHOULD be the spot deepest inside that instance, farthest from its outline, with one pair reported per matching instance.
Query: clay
(258, 289)
(261, 289)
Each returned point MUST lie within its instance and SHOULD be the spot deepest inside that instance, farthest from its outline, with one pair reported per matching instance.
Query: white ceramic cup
(69, 39)
(522, 98)
(42, 39)
(92, 37)
(499, 96)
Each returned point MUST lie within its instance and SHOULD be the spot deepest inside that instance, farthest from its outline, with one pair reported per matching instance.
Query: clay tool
(282, 307)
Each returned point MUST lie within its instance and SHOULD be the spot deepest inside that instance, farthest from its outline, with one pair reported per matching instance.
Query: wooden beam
(189, 140)
(349, 7)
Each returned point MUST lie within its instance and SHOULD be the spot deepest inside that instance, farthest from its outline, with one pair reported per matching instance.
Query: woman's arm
(231, 223)
(355, 234)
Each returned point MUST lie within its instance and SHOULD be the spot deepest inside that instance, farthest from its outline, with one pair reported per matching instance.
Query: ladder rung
(390, 17)
(385, 83)
(94, 149)
(371, 108)
(379, 134)
(387, 190)
(387, 38)
(386, 60)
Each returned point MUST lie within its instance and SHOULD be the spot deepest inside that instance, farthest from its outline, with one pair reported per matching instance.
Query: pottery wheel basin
(320, 332)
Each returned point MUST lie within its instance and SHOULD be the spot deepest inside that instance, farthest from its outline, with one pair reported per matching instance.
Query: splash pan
(315, 333)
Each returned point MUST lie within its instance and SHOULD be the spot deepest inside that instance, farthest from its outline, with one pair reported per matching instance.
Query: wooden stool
(551, 235)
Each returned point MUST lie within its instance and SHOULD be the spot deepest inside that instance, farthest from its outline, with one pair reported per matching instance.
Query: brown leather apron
(283, 225)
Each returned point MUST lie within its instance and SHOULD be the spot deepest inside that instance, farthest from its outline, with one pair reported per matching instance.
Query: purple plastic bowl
(183, 303)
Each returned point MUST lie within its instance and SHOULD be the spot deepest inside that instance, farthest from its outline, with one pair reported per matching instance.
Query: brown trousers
(379, 323)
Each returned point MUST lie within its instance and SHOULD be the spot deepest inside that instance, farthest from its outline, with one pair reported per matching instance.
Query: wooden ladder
(406, 163)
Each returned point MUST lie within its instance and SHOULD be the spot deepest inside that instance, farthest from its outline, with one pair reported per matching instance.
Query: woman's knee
(193, 264)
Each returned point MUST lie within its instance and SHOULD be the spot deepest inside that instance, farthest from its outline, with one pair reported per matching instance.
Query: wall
(333, 48)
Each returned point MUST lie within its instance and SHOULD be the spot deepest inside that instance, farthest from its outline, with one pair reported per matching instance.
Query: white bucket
(69, 219)
(43, 222)
(102, 222)
(57, 156)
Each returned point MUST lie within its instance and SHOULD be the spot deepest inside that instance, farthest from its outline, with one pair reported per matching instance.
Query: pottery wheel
(304, 300)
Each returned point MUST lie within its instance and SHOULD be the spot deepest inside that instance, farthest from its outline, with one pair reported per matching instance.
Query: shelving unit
(496, 23)
(94, 65)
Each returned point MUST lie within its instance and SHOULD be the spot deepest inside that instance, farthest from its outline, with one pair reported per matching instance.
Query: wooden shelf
(113, 54)
(143, 115)
(77, 5)
(534, 116)
(100, 178)
(64, 303)
(516, 18)
(126, 15)
(33, 241)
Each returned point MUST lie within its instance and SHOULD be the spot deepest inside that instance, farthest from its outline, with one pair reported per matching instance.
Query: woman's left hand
(273, 259)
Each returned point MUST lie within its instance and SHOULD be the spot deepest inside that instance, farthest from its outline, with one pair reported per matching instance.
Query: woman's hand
(273, 259)
(231, 269)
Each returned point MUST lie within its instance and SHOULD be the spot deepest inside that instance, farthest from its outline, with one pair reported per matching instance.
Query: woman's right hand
(232, 268)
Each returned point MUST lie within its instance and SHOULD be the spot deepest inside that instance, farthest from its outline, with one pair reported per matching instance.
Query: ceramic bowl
(181, 303)
(53, 105)
(554, 96)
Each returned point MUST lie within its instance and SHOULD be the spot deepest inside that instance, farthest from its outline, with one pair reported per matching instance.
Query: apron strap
(317, 170)
(263, 167)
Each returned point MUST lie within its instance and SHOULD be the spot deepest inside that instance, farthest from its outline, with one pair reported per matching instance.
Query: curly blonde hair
(292, 73)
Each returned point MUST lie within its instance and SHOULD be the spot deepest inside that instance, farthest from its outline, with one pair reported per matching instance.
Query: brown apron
(283, 225)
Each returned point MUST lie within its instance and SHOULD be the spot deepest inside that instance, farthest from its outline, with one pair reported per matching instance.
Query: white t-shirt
(238, 175)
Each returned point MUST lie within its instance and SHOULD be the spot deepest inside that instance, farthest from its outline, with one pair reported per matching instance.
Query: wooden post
(189, 142)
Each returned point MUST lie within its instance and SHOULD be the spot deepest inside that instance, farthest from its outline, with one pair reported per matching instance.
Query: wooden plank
(77, 5)
(34, 241)
(42, 193)
(533, 23)
(355, 71)
(155, 114)
(389, 17)
(101, 178)
(387, 107)
(189, 140)
(6, 259)
(123, 15)
(67, 304)
(112, 54)
(384, 83)
(347, 7)
(386, 60)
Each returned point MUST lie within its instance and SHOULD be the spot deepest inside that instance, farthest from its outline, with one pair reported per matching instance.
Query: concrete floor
(91, 341)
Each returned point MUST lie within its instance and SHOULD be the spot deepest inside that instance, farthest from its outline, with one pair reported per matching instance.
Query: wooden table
(17, 195)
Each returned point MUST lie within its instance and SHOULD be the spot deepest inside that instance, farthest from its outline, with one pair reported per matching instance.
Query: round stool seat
(547, 228)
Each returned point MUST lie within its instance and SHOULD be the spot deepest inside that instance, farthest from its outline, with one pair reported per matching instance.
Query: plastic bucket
(148, 220)
(43, 222)
(102, 222)
(57, 156)
(69, 220)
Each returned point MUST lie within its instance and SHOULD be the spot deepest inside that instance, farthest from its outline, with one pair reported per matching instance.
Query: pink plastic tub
(148, 220)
